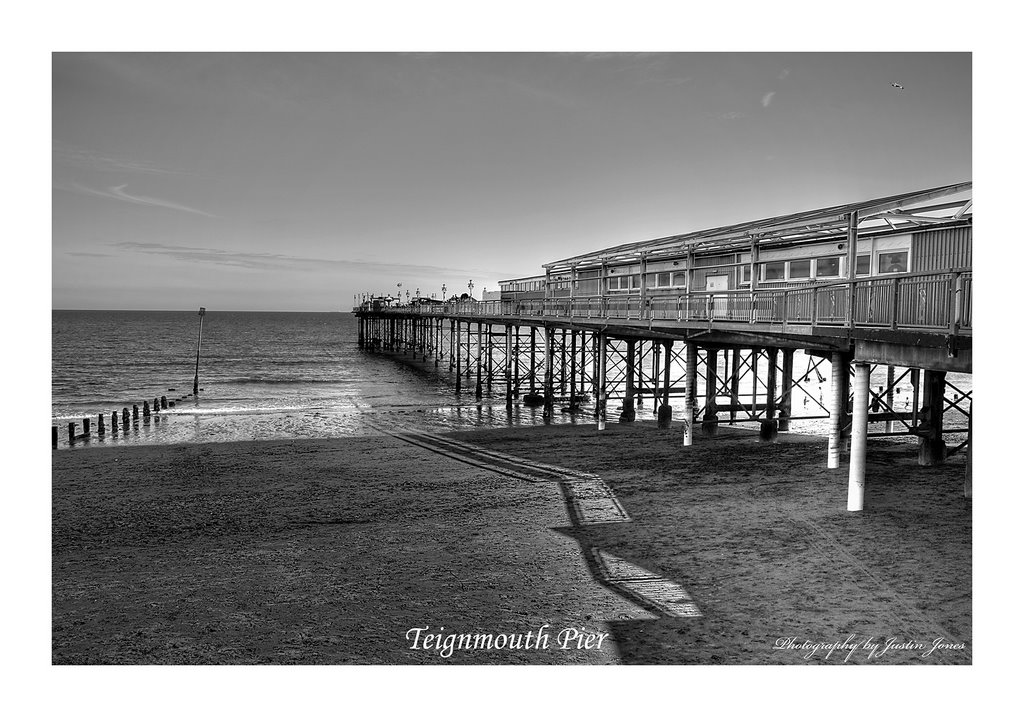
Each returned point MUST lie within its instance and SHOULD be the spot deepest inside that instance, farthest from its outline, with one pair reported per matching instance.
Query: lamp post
(444, 289)
(470, 288)
(195, 383)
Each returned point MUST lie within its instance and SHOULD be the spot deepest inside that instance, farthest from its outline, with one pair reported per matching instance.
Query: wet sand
(330, 551)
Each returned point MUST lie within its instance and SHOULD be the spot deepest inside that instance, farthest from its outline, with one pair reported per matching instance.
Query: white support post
(859, 439)
(835, 410)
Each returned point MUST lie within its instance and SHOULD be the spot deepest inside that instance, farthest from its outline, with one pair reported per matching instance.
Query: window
(824, 268)
(863, 265)
(892, 262)
(745, 278)
(662, 280)
(624, 283)
(800, 269)
(679, 278)
(775, 271)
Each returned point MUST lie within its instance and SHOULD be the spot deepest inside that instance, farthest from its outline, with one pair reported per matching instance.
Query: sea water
(280, 375)
(262, 376)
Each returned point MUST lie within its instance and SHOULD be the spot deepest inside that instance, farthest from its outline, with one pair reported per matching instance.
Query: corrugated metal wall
(943, 249)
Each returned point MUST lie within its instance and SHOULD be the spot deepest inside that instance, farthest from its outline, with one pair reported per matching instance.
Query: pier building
(877, 295)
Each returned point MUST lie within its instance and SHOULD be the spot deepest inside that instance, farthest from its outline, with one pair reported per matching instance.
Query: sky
(293, 182)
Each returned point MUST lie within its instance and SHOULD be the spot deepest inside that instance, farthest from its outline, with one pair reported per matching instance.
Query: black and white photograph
(503, 358)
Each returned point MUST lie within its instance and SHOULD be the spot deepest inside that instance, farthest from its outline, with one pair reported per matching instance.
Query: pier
(876, 294)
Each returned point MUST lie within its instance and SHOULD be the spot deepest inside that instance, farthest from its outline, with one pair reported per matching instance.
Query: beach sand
(330, 551)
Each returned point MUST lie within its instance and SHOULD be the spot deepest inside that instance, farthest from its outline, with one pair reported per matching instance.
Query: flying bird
(897, 85)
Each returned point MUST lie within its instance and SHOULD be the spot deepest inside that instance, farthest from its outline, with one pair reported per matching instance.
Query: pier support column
(515, 364)
(533, 361)
(734, 385)
(508, 368)
(628, 414)
(572, 370)
(931, 447)
(640, 374)
(890, 395)
(968, 484)
(709, 424)
(836, 407)
(859, 439)
(655, 375)
(549, 375)
(690, 397)
(770, 425)
(458, 356)
(362, 332)
(452, 347)
(479, 361)
(665, 410)
(490, 358)
(562, 366)
(602, 395)
(786, 400)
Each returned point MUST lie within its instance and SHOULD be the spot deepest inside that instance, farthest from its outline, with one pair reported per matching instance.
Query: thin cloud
(784, 74)
(731, 115)
(279, 262)
(87, 159)
(120, 194)
(767, 99)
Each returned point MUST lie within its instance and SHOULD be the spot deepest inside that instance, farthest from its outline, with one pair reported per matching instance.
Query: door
(718, 306)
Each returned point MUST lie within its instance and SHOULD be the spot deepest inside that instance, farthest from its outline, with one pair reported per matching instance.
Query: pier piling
(665, 410)
(859, 438)
(628, 414)
(602, 395)
(836, 408)
(709, 423)
(690, 397)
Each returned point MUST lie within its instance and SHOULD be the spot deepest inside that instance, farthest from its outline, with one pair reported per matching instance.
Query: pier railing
(929, 301)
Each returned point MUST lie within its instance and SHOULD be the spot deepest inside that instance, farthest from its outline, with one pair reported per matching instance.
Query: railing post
(956, 292)
(895, 302)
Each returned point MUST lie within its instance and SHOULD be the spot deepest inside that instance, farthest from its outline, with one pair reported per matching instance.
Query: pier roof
(912, 211)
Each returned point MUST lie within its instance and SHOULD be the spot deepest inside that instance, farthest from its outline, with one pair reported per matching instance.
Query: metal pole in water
(195, 383)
